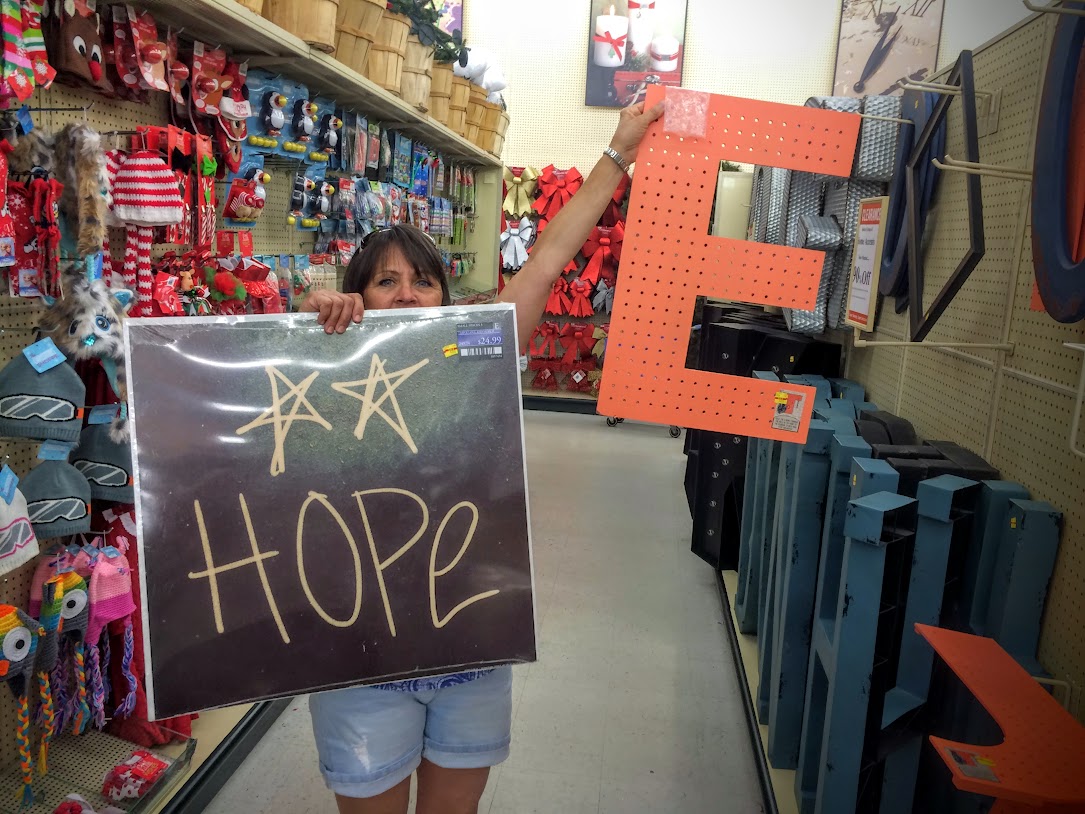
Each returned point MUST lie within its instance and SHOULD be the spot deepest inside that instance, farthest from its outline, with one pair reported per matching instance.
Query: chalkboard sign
(323, 511)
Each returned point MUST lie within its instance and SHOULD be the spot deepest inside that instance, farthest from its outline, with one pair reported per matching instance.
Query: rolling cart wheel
(620, 420)
(612, 422)
(676, 432)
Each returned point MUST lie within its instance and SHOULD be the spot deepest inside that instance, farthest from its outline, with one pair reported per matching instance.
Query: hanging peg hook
(975, 168)
(1053, 9)
(874, 118)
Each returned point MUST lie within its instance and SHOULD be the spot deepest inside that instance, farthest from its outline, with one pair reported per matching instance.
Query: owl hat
(19, 636)
(74, 619)
(75, 612)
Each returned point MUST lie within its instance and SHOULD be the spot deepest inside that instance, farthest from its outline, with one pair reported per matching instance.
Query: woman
(452, 729)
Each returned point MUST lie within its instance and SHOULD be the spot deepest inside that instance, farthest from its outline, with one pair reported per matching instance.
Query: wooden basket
(492, 140)
(356, 30)
(256, 6)
(417, 74)
(461, 93)
(475, 107)
(388, 52)
(472, 134)
(440, 92)
(457, 105)
(312, 21)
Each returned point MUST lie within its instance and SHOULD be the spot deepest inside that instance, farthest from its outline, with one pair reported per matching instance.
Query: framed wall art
(632, 44)
(885, 43)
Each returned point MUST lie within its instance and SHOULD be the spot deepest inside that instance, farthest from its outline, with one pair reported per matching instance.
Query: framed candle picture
(885, 43)
(632, 44)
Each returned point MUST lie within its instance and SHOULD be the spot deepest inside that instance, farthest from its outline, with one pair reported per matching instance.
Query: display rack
(245, 34)
(224, 737)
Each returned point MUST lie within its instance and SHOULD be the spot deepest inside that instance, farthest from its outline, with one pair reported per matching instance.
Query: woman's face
(396, 284)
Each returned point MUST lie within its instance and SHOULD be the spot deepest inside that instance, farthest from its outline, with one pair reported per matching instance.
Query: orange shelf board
(1041, 759)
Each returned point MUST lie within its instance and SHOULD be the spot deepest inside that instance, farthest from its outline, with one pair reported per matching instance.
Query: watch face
(885, 43)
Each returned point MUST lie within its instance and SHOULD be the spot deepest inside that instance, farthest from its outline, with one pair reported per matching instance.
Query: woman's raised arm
(565, 234)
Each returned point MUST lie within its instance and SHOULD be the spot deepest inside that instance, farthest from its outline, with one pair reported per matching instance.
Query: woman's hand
(334, 311)
(632, 126)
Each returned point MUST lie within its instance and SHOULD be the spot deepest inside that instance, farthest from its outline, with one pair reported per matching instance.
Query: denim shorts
(370, 739)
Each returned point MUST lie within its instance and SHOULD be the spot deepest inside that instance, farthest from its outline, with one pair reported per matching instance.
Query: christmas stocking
(44, 73)
(18, 75)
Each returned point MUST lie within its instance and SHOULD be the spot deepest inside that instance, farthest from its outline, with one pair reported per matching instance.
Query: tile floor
(633, 706)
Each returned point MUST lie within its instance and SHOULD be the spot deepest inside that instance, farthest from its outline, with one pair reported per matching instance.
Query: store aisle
(633, 707)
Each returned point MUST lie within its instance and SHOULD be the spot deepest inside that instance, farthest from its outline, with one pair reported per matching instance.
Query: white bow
(515, 241)
(604, 298)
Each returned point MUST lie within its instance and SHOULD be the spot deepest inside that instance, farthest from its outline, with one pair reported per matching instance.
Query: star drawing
(274, 417)
(373, 406)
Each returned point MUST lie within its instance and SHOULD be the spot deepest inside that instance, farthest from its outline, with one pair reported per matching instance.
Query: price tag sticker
(480, 340)
(53, 450)
(103, 413)
(43, 355)
(789, 409)
(8, 482)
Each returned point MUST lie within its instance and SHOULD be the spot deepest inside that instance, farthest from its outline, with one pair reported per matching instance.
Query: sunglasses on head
(383, 229)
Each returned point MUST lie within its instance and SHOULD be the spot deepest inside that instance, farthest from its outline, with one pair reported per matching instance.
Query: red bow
(614, 214)
(603, 250)
(635, 6)
(617, 43)
(545, 380)
(578, 381)
(555, 189)
(581, 291)
(578, 339)
(544, 341)
(559, 298)
(165, 294)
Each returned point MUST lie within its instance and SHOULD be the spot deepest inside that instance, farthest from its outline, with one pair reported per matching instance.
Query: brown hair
(417, 248)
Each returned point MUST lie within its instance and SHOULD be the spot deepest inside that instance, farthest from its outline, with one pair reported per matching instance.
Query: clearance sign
(867, 263)
(321, 511)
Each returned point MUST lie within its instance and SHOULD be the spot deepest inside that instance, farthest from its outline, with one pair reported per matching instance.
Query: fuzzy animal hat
(80, 167)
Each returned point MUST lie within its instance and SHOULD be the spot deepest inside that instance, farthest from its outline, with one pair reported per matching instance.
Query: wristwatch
(614, 154)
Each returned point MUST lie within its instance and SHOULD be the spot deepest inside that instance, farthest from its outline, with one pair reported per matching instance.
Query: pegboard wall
(783, 52)
(1016, 409)
(19, 317)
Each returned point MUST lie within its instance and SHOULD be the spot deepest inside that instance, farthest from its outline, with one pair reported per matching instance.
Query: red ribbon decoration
(545, 380)
(613, 214)
(603, 250)
(617, 43)
(544, 341)
(635, 6)
(665, 57)
(165, 294)
(580, 371)
(581, 290)
(555, 189)
(578, 339)
(559, 303)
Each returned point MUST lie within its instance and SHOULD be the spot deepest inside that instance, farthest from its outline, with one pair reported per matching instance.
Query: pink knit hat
(145, 192)
(110, 594)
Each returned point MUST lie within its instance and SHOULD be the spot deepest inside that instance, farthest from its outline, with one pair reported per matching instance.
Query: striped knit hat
(145, 192)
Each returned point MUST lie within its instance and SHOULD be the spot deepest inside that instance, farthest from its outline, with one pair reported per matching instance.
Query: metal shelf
(227, 23)
(264, 44)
